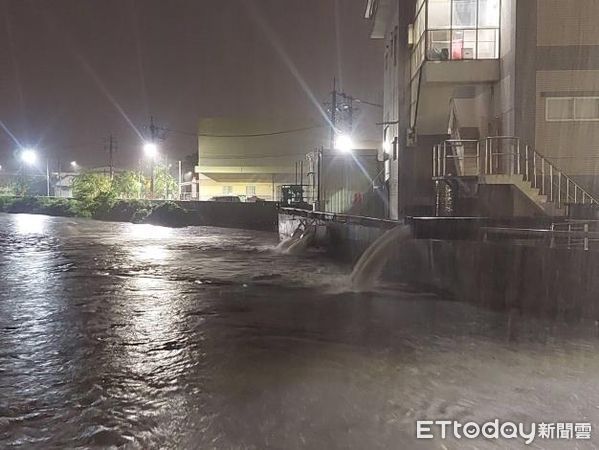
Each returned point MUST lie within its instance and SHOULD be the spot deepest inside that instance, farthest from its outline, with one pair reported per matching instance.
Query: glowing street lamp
(344, 143)
(29, 157)
(74, 164)
(151, 150)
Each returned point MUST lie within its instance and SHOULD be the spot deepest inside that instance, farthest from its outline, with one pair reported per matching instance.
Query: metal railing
(570, 236)
(504, 155)
(456, 157)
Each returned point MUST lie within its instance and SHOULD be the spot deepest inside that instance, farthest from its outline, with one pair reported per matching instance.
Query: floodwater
(146, 337)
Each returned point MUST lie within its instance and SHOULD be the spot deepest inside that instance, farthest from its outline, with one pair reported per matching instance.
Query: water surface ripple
(145, 337)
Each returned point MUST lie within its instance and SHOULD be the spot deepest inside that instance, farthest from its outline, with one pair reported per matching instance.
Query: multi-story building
(497, 100)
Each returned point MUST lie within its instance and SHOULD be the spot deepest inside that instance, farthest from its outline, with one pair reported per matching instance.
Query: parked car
(254, 199)
(226, 198)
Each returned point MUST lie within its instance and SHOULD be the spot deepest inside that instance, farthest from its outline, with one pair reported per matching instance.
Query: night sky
(74, 71)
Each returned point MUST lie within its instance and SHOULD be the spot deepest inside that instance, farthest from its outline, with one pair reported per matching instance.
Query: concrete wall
(345, 175)
(535, 280)
(566, 46)
(253, 216)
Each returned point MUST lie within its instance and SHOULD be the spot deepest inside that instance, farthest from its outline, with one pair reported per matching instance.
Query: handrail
(535, 168)
(573, 238)
(568, 178)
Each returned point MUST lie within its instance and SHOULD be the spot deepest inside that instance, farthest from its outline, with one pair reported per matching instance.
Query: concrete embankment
(262, 216)
(253, 216)
(448, 255)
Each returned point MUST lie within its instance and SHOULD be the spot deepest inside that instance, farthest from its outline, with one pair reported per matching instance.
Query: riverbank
(252, 216)
(135, 211)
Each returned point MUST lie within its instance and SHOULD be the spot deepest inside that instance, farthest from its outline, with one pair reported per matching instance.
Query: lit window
(227, 190)
(439, 14)
(250, 191)
(464, 14)
(488, 44)
(463, 45)
(488, 13)
(438, 42)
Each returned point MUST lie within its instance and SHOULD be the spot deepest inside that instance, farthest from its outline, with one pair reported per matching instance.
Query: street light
(29, 157)
(74, 164)
(151, 150)
(344, 143)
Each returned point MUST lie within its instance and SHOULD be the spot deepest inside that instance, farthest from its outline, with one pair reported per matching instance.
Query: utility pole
(341, 115)
(333, 114)
(180, 179)
(47, 177)
(153, 136)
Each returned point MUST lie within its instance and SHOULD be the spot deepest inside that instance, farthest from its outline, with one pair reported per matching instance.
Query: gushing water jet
(369, 267)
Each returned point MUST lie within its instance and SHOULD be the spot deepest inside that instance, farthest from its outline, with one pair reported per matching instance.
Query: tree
(7, 189)
(165, 185)
(128, 184)
(88, 186)
(24, 185)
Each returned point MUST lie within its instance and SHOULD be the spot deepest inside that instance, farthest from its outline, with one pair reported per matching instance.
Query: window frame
(574, 117)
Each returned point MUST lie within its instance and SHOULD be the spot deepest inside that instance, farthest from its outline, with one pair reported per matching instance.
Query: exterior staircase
(502, 160)
(533, 194)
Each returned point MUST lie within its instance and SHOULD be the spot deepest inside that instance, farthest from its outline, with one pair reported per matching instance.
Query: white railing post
(526, 169)
(534, 169)
(478, 159)
(551, 182)
(444, 162)
(559, 190)
(490, 156)
(542, 177)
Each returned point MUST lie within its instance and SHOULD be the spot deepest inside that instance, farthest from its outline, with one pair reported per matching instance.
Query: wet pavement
(140, 336)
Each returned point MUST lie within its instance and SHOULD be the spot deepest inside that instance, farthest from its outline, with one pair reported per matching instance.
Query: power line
(246, 156)
(252, 135)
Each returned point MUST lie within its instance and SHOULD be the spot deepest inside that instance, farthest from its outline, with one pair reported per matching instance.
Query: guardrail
(341, 218)
(552, 238)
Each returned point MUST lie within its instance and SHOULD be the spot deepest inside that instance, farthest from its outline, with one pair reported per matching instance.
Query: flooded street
(115, 334)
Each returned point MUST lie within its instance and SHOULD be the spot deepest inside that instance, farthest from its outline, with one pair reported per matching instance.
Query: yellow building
(254, 157)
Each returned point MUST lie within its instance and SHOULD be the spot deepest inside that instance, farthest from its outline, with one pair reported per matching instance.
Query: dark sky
(74, 71)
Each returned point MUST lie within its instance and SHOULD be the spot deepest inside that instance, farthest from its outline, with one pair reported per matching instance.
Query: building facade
(467, 70)
(254, 157)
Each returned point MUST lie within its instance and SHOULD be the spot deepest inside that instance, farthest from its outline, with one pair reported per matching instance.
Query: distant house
(62, 184)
